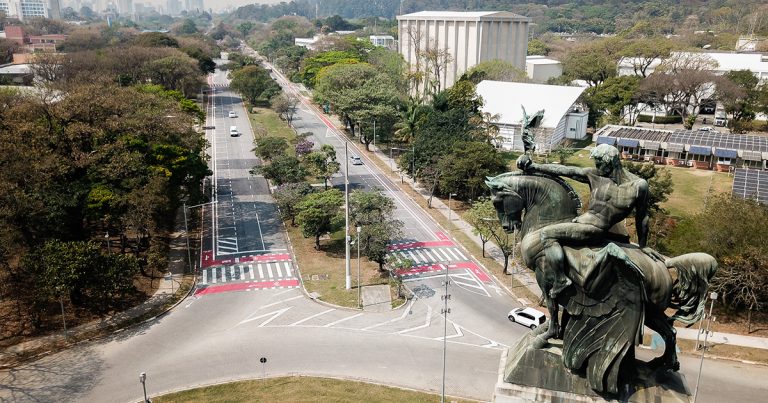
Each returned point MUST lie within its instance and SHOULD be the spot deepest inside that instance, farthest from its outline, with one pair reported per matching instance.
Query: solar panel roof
(641, 134)
(750, 184)
(720, 140)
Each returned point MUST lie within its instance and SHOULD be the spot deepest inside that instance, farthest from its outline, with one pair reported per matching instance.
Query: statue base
(527, 374)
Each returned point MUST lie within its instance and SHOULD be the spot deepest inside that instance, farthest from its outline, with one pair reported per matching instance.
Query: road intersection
(248, 305)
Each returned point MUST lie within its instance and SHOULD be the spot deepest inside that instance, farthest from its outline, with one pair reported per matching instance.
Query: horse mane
(567, 186)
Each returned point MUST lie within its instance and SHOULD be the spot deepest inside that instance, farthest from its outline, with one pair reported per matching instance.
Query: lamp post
(186, 230)
(63, 319)
(413, 158)
(445, 312)
(449, 205)
(374, 133)
(143, 380)
(348, 277)
(712, 297)
(359, 290)
(109, 245)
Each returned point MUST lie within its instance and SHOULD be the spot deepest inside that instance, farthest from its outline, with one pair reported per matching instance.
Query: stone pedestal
(527, 374)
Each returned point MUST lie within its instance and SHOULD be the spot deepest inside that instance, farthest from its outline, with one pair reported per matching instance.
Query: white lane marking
(461, 254)
(279, 270)
(232, 272)
(213, 275)
(250, 271)
(288, 271)
(427, 321)
(457, 334)
(205, 276)
(261, 271)
(432, 258)
(269, 270)
(282, 301)
(450, 250)
(272, 316)
(442, 252)
(242, 274)
(401, 317)
(423, 259)
(413, 257)
(311, 317)
(343, 320)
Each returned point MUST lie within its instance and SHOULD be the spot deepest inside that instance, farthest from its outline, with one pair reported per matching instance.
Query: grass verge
(300, 389)
(725, 351)
(266, 122)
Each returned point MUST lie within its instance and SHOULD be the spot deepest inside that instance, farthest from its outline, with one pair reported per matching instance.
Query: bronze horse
(615, 289)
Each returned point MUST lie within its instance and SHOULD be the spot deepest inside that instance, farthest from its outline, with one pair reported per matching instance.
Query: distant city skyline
(216, 5)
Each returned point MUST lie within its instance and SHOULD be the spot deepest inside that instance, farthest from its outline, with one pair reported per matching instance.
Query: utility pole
(712, 297)
(348, 278)
(445, 311)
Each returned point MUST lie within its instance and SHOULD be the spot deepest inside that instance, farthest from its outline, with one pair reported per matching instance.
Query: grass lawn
(266, 122)
(323, 270)
(299, 389)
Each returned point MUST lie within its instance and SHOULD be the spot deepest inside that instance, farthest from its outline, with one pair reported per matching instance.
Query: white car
(356, 160)
(527, 317)
(232, 114)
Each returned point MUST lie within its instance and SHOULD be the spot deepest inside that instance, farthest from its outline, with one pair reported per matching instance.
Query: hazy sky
(217, 5)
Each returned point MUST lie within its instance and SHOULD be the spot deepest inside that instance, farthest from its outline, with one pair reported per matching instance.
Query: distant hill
(598, 16)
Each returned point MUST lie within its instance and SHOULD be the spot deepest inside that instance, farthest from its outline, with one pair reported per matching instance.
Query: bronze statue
(608, 287)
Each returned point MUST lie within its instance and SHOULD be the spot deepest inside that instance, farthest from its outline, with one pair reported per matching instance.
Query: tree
(593, 62)
(537, 47)
(175, 73)
(738, 91)
(464, 171)
(436, 61)
(254, 83)
(320, 213)
(496, 70)
(269, 148)
(288, 197)
(303, 147)
(372, 211)
(681, 82)
(487, 130)
(613, 101)
(285, 106)
(313, 65)
(187, 27)
(282, 169)
(742, 281)
(322, 163)
(155, 40)
(483, 218)
(642, 53)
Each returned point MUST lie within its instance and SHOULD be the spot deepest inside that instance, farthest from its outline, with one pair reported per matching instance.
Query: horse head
(537, 199)
(508, 203)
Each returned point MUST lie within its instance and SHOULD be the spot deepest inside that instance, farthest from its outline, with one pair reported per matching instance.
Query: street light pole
(374, 133)
(348, 276)
(445, 312)
(143, 380)
(186, 235)
(359, 290)
(63, 319)
(449, 205)
(712, 297)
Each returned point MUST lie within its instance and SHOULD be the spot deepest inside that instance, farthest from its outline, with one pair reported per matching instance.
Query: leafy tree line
(97, 150)
(320, 212)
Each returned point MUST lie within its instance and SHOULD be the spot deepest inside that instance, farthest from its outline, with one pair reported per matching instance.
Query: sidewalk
(526, 277)
(159, 303)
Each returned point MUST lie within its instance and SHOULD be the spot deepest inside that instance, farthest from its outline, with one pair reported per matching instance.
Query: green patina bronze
(584, 262)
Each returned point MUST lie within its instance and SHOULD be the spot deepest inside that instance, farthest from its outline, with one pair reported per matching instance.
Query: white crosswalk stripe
(422, 256)
(242, 272)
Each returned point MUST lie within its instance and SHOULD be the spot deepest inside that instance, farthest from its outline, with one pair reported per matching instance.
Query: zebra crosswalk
(248, 272)
(430, 255)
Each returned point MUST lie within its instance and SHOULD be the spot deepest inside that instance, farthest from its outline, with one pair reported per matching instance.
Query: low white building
(384, 41)
(755, 62)
(564, 117)
(540, 69)
(308, 43)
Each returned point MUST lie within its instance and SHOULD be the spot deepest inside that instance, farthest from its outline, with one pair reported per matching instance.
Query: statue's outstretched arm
(575, 173)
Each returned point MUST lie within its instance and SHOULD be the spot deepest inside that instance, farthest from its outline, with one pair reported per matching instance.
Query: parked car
(232, 114)
(356, 160)
(527, 317)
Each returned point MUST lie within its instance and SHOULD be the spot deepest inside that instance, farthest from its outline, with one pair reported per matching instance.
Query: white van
(233, 131)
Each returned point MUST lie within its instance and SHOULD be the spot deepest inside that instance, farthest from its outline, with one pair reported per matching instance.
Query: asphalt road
(219, 336)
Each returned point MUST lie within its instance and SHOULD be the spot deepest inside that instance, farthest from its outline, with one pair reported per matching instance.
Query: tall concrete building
(125, 7)
(467, 37)
(24, 9)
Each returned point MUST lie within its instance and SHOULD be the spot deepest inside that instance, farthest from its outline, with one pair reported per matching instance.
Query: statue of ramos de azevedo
(608, 287)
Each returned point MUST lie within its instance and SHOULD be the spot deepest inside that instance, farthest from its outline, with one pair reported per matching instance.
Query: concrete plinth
(527, 374)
